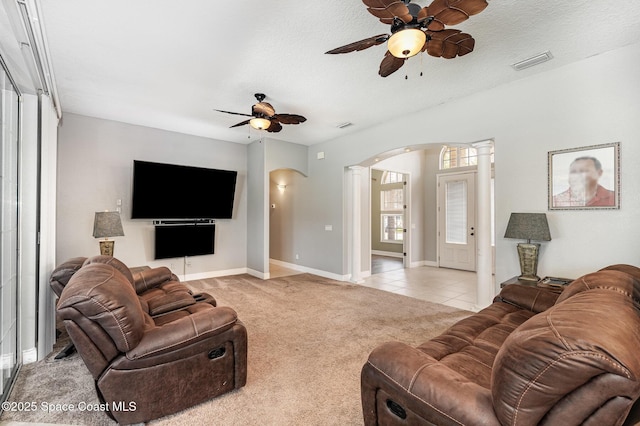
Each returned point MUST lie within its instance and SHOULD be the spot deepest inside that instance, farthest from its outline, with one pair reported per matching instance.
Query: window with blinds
(456, 212)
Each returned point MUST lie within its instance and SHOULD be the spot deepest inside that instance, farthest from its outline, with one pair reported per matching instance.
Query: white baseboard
(214, 274)
(265, 275)
(29, 355)
(7, 361)
(318, 272)
(258, 274)
(423, 263)
(387, 253)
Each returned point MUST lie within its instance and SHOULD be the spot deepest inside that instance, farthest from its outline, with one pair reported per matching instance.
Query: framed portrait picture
(586, 178)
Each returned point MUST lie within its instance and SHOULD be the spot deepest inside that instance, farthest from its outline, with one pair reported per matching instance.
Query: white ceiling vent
(534, 60)
(343, 125)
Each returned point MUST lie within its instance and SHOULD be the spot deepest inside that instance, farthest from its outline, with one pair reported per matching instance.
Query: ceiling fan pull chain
(421, 65)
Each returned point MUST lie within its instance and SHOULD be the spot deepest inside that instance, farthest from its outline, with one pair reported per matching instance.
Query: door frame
(440, 211)
(406, 240)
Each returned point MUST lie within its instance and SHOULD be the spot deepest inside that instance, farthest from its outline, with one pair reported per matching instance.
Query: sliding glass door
(9, 143)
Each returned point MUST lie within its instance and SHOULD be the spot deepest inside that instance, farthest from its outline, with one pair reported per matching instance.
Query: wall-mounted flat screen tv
(169, 191)
(184, 240)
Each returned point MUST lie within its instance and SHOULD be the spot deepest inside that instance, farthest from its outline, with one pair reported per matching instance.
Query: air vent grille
(534, 60)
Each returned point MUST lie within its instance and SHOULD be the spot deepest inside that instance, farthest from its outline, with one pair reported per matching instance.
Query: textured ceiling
(169, 64)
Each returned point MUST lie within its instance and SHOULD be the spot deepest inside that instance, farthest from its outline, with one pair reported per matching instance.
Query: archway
(283, 221)
(358, 216)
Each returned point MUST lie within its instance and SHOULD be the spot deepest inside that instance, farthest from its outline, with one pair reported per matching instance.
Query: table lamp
(528, 226)
(106, 225)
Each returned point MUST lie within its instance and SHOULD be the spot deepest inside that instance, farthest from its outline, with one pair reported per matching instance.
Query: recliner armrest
(534, 299)
(150, 278)
(184, 331)
(441, 395)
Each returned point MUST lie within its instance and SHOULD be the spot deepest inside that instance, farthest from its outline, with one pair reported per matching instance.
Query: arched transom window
(452, 157)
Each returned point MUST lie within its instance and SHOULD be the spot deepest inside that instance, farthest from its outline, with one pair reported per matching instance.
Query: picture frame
(585, 178)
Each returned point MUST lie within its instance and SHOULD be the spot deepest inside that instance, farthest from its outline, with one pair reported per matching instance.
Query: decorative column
(485, 287)
(356, 223)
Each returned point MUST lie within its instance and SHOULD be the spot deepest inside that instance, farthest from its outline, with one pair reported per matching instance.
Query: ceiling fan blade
(240, 124)
(274, 127)
(289, 118)
(234, 113)
(452, 12)
(263, 108)
(360, 45)
(449, 43)
(390, 64)
(435, 24)
(386, 10)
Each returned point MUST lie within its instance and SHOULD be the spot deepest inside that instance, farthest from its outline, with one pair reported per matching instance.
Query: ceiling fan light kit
(407, 42)
(264, 117)
(259, 123)
(416, 29)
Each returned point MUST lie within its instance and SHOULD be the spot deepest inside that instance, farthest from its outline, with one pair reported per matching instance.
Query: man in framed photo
(584, 189)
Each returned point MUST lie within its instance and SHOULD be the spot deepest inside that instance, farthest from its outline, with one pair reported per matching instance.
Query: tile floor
(439, 285)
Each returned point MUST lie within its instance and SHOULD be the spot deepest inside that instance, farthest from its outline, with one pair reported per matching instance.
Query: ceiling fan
(264, 116)
(416, 29)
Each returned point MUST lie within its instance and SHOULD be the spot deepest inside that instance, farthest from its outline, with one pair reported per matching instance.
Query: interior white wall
(48, 234)
(95, 169)
(257, 218)
(590, 102)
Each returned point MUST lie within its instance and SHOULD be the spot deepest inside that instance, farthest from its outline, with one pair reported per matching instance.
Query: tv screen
(169, 191)
(184, 240)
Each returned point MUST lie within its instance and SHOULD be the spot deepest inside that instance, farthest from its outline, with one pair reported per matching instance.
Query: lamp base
(106, 247)
(528, 255)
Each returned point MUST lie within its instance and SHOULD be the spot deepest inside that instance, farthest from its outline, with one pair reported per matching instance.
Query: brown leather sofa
(158, 287)
(145, 366)
(533, 357)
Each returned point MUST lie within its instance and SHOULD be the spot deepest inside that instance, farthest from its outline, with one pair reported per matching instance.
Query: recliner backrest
(61, 275)
(102, 314)
(575, 362)
(608, 279)
(112, 261)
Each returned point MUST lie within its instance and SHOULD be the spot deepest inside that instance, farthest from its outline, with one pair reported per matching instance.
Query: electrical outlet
(297, 256)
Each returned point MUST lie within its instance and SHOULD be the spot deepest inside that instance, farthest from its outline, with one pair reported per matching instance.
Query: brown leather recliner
(147, 367)
(524, 360)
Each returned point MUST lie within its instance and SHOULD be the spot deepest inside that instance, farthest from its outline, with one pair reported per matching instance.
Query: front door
(456, 221)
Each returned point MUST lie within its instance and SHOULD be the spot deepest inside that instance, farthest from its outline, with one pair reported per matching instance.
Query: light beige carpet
(308, 339)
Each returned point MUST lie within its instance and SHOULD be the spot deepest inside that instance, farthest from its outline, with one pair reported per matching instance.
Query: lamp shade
(407, 42)
(528, 226)
(107, 224)
(259, 123)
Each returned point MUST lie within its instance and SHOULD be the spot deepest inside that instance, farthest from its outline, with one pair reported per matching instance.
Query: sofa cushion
(172, 295)
(470, 346)
(573, 363)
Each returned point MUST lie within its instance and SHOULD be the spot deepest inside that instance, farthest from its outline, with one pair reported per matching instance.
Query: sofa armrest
(184, 331)
(424, 386)
(534, 299)
(153, 277)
